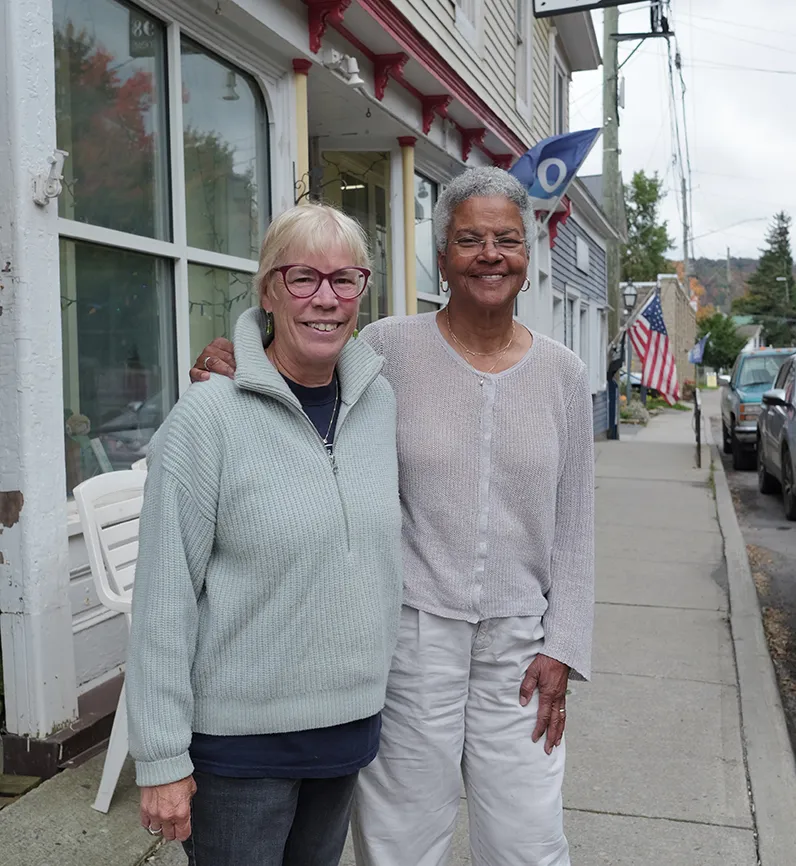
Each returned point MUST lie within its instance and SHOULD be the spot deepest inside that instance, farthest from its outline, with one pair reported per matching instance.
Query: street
(771, 545)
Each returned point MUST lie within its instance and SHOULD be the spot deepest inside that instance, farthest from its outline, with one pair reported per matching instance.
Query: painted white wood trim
(397, 264)
(111, 238)
(442, 300)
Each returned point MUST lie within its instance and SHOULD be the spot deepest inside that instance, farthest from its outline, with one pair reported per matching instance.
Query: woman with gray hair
(268, 584)
(495, 450)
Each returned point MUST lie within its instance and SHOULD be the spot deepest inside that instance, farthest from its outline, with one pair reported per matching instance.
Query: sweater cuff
(578, 664)
(163, 772)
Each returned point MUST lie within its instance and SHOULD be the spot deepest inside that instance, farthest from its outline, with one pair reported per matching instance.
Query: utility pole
(686, 263)
(612, 186)
(729, 277)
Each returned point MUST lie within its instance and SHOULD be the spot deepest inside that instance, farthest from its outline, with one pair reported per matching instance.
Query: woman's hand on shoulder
(216, 357)
(167, 809)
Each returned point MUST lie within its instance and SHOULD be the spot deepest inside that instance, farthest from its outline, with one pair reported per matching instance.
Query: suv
(776, 439)
(753, 373)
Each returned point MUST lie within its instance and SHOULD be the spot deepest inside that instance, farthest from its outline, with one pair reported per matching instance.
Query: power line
(742, 25)
(716, 65)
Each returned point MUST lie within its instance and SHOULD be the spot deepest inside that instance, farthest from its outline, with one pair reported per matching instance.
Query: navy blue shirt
(317, 754)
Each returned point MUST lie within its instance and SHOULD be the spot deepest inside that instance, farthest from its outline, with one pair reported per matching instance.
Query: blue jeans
(269, 822)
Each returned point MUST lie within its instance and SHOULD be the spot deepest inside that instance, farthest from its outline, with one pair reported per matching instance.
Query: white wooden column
(35, 616)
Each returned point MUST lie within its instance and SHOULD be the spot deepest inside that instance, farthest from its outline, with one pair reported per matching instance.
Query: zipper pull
(333, 462)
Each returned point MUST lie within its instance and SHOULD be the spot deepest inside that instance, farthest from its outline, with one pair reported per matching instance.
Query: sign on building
(143, 35)
(546, 8)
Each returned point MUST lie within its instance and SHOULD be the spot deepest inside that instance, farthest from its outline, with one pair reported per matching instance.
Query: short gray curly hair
(481, 183)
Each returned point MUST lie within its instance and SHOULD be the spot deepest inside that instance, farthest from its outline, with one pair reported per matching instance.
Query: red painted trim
(503, 160)
(319, 14)
(412, 42)
(302, 66)
(407, 140)
(386, 66)
(469, 138)
(433, 105)
(557, 220)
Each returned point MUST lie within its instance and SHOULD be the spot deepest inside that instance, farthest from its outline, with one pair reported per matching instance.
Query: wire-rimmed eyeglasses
(507, 246)
(303, 281)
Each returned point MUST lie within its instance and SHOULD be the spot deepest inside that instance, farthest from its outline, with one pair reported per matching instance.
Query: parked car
(776, 439)
(752, 374)
(635, 384)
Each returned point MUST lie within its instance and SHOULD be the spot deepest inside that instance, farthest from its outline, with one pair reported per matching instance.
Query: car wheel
(740, 457)
(766, 483)
(725, 433)
(788, 492)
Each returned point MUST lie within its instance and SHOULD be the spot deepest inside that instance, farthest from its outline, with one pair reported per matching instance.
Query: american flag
(651, 343)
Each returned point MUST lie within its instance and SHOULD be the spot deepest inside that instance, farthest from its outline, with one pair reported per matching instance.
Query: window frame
(559, 87)
(468, 23)
(266, 77)
(523, 57)
(441, 298)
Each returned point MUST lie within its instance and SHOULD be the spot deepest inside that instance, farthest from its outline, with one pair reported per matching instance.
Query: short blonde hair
(311, 228)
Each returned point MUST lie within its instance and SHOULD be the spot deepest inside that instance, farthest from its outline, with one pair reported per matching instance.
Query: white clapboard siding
(489, 67)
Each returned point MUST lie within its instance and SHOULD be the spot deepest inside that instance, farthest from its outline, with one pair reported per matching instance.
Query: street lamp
(629, 296)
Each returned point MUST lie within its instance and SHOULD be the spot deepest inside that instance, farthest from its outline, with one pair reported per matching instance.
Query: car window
(786, 370)
(760, 370)
(789, 382)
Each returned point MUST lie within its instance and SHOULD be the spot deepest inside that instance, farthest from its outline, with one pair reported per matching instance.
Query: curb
(769, 755)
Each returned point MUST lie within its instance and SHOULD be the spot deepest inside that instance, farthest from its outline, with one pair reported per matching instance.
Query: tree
(770, 290)
(648, 239)
(724, 342)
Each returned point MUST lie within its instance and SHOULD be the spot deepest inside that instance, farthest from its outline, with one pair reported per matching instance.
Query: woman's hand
(551, 678)
(167, 808)
(218, 357)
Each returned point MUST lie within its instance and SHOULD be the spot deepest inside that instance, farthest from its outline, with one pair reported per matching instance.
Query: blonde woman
(268, 586)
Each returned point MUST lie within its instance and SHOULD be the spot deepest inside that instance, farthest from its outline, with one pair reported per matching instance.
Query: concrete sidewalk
(657, 752)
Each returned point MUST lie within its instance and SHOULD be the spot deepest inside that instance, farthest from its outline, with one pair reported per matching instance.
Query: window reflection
(217, 298)
(118, 354)
(225, 147)
(110, 96)
(425, 249)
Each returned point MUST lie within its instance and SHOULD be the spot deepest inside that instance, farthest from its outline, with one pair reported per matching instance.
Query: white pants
(453, 711)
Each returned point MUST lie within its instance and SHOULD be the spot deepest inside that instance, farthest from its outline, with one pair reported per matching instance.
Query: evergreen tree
(724, 342)
(644, 257)
(769, 297)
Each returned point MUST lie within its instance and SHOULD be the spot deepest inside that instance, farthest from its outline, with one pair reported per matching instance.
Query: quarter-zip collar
(357, 366)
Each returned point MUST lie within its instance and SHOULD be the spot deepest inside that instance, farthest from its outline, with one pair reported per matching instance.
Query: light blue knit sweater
(268, 584)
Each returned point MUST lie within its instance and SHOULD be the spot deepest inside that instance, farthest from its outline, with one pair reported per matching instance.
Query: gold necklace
(501, 352)
(470, 351)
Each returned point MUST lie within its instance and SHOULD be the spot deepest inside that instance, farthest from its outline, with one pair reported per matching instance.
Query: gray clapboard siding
(591, 286)
(600, 413)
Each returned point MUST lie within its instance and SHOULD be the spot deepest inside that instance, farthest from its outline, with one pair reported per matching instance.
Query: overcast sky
(741, 123)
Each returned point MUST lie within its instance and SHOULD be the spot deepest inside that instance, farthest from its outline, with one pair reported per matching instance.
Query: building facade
(679, 316)
(181, 127)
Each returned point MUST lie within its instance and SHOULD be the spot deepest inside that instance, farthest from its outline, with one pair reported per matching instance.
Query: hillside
(712, 273)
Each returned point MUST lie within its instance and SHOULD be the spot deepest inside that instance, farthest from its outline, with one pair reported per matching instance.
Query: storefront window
(110, 98)
(225, 155)
(124, 335)
(118, 355)
(217, 298)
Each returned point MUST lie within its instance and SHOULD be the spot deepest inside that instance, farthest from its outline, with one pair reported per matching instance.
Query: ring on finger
(154, 831)
(208, 359)
(562, 709)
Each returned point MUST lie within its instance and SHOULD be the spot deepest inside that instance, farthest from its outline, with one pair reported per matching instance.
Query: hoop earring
(525, 286)
(444, 287)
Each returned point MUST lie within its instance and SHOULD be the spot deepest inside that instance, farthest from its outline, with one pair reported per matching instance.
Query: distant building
(745, 326)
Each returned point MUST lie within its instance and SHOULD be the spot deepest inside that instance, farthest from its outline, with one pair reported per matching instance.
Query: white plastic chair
(109, 507)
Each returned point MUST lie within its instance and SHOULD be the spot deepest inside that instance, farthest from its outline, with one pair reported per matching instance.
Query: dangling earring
(525, 286)
(444, 287)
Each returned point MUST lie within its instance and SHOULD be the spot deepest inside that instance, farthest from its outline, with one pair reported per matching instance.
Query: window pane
(119, 356)
(110, 101)
(427, 306)
(217, 298)
(425, 250)
(226, 155)
(359, 184)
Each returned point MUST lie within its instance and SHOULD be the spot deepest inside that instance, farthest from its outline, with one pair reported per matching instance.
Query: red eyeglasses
(303, 281)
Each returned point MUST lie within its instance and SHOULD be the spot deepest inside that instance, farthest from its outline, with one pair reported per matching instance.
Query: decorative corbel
(386, 66)
(469, 138)
(319, 14)
(503, 160)
(434, 105)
